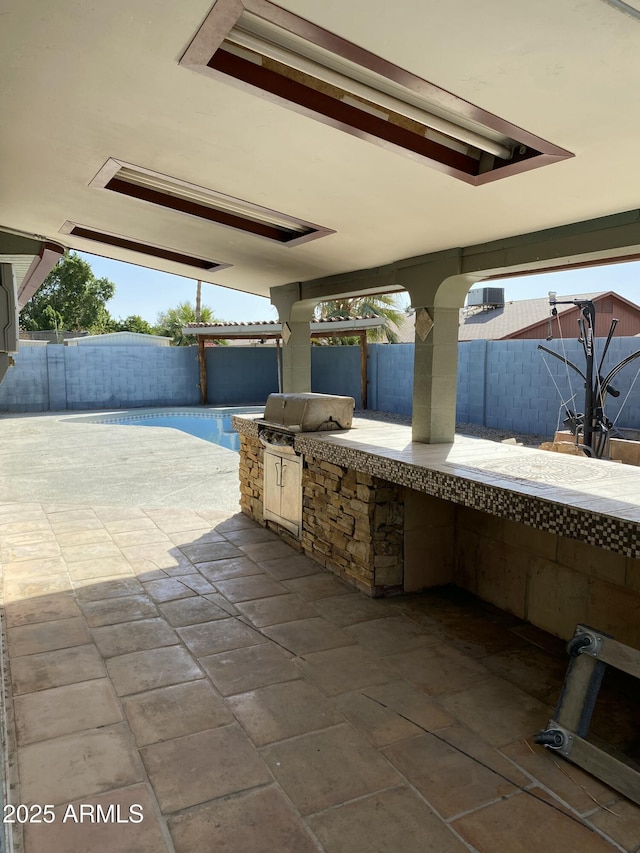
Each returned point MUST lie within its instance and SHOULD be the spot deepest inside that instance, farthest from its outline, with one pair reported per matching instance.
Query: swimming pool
(212, 425)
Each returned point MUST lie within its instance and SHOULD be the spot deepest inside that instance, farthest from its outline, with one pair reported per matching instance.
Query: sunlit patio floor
(186, 661)
(191, 664)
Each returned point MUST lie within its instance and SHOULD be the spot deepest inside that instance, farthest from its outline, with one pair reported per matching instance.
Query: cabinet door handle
(278, 473)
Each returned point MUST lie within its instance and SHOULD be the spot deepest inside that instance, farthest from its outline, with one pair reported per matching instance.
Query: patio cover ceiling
(90, 91)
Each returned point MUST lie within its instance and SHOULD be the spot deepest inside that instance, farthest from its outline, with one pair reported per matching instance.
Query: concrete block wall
(336, 370)
(471, 388)
(521, 395)
(240, 375)
(504, 384)
(25, 387)
(56, 378)
(390, 372)
(121, 376)
(621, 348)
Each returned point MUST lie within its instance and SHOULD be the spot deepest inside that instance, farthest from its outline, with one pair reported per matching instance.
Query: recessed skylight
(263, 48)
(121, 242)
(204, 203)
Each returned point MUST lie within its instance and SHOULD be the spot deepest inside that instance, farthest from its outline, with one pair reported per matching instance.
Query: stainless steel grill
(286, 415)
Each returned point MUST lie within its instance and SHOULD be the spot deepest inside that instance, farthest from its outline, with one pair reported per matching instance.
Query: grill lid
(309, 412)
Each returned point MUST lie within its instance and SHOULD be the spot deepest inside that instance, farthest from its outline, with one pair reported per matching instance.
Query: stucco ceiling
(82, 82)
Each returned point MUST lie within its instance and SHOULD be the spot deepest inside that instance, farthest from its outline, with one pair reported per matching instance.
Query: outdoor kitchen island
(390, 515)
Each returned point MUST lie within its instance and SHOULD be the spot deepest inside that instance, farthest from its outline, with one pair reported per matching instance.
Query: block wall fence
(508, 385)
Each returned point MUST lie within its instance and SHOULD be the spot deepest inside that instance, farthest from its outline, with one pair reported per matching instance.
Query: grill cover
(309, 412)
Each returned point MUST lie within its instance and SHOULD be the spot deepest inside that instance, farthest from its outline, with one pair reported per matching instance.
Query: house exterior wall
(606, 309)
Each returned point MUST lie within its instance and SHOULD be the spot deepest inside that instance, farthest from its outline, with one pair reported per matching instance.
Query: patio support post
(295, 315)
(435, 373)
(296, 357)
(437, 293)
(202, 363)
(363, 369)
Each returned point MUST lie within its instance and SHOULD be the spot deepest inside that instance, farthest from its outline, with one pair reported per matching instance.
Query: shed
(119, 339)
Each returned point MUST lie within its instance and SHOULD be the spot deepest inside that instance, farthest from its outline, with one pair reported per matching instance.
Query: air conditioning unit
(8, 310)
(486, 297)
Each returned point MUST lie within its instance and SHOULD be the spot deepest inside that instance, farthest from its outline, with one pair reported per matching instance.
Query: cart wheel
(553, 738)
(578, 644)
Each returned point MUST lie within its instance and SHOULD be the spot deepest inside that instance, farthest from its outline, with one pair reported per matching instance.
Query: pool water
(212, 425)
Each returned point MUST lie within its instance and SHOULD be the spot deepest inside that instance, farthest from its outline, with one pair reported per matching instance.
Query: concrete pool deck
(63, 457)
(183, 659)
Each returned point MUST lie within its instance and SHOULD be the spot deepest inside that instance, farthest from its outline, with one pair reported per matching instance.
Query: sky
(147, 292)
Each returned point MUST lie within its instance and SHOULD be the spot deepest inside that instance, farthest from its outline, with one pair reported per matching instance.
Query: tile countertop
(591, 500)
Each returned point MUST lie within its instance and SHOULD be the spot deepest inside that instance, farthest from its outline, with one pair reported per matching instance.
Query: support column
(296, 357)
(438, 291)
(295, 315)
(364, 401)
(435, 374)
(202, 364)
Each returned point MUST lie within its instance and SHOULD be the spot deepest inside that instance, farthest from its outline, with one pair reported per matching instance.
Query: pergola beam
(206, 335)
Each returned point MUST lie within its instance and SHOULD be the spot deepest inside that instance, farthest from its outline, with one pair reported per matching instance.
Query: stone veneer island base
(390, 516)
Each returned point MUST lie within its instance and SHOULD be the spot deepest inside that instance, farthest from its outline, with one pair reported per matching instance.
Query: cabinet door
(272, 485)
(291, 492)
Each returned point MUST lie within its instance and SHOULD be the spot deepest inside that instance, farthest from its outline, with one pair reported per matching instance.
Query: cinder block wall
(336, 370)
(502, 384)
(240, 375)
(25, 387)
(520, 392)
(390, 372)
(121, 376)
(55, 378)
(472, 381)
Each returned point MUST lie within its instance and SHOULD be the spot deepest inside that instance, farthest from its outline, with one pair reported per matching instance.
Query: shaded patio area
(185, 660)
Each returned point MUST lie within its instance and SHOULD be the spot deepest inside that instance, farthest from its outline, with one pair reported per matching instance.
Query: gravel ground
(462, 429)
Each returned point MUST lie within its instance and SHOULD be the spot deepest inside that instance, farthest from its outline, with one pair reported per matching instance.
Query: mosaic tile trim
(160, 413)
(245, 426)
(603, 531)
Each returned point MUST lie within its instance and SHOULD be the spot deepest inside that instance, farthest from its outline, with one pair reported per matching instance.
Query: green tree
(70, 298)
(133, 323)
(384, 306)
(170, 322)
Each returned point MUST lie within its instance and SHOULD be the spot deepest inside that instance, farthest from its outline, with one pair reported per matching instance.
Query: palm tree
(170, 323)
(383, 306)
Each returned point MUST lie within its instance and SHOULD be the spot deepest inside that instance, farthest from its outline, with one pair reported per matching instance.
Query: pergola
(270, 330)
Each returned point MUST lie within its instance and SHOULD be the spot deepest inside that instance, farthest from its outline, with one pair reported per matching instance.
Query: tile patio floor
(193, 664)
